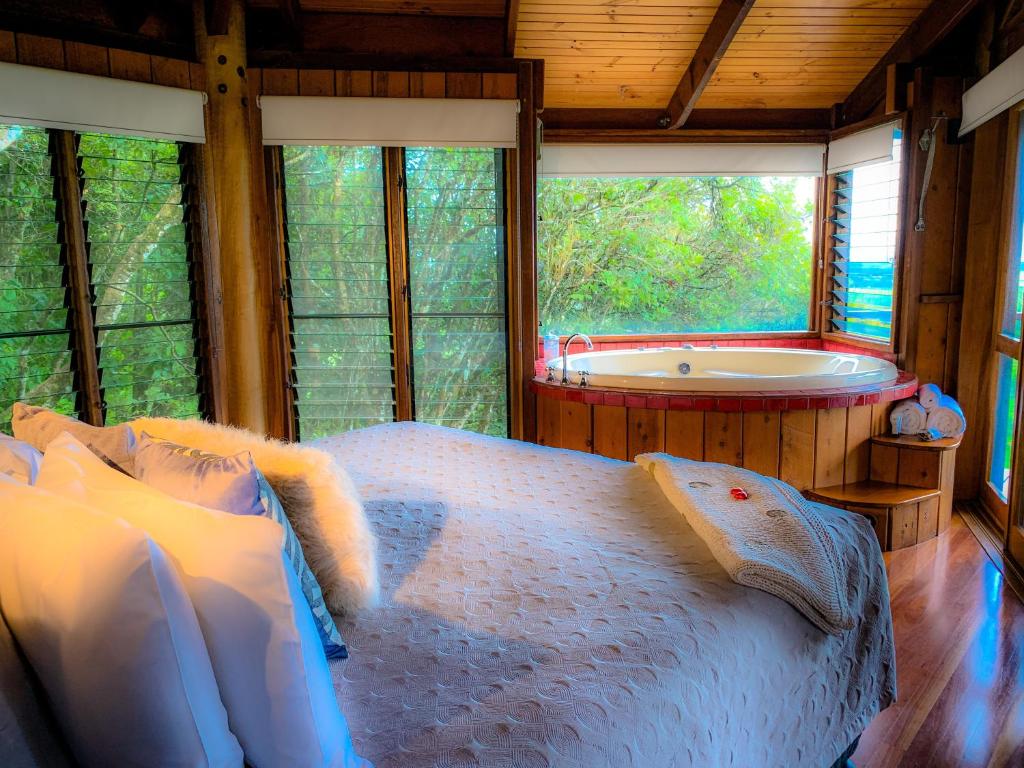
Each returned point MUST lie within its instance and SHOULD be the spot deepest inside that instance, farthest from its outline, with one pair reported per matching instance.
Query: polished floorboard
(959, 661)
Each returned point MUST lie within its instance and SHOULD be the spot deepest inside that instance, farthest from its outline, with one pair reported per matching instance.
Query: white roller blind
(867, 147)
(49, 98)
(385, 122)
(617, 160)
(999, 90)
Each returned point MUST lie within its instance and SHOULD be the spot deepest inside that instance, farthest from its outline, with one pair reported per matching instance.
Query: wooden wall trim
(69, 200)
(928, 334)
(398, 280)
(527, 229)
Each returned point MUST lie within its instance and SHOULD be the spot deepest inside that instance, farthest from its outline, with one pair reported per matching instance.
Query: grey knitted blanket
(773, 541)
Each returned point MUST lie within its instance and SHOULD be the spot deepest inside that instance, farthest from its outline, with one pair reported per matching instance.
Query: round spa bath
(732, 369)
(804, 416)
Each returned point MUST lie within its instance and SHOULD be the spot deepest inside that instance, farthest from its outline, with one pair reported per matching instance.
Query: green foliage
(338, 286)
(673, 255)
(139, 266)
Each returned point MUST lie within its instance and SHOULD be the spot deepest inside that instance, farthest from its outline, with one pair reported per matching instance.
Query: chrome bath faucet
(565, 353)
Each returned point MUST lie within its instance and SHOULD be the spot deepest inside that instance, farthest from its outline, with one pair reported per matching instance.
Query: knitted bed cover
(774, 540)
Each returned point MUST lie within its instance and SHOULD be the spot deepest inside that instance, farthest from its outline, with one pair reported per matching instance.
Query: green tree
(673, 255)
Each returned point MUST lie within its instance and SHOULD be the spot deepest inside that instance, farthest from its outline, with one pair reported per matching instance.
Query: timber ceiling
(786, 54)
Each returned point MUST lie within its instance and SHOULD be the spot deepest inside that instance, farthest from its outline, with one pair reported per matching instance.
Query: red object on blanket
(739, 494)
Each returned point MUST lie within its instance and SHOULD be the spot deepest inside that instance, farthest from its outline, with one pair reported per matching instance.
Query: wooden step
(872, 493)
(913, 443)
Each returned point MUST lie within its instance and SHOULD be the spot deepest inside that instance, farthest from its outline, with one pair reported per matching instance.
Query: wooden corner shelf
(872, 493)
(916, 444)
(909, 494)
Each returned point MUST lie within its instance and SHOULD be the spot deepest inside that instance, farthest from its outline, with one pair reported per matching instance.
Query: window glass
(456, 231)
(142, 283)
(35, 345)
(1004, 423)
(1013, 302)
(675, 254)
(338, 288)
(864, 247)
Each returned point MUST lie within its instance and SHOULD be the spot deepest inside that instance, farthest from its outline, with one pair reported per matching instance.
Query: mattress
(544, 607)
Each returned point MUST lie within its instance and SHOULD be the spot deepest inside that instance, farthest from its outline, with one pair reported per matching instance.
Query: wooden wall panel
(684, 434)
(576, 426)
(932, 272)
(8, 48)
(316, 82)
(762, 434)
(93, 59)
(130, 65)
(39, 51)
(858, 448)
(170, 72)
(645, 431)
(797, 460)
(982, 263)
(549, 422)
(723, 437)
(830, 446)
(885, 463)
(609, 430)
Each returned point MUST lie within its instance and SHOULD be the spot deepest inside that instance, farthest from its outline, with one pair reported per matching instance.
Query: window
(141, 293)
(1001, 450)
(863, 251)
(690, 254)
(1007, 347)
(35, 340)
(457, 286)
(142, 282)
(349, 247)
(338, 288)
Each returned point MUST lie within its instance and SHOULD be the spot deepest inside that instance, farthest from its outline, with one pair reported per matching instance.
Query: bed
(544, 607)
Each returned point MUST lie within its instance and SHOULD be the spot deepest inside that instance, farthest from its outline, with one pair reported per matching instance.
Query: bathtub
(673, 369)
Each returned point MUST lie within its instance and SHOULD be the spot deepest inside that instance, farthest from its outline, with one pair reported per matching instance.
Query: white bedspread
(544, 607)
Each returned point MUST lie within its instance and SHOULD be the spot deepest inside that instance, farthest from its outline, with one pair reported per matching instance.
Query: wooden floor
(959, 661)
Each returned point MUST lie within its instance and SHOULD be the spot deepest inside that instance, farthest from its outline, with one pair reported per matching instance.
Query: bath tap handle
(551, 375)
(583, 378)
(688, 346)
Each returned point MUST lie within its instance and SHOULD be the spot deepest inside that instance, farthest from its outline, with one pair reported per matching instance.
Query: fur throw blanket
(317, 495)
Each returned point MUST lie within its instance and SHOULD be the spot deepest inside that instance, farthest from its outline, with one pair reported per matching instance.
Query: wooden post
(246, 309)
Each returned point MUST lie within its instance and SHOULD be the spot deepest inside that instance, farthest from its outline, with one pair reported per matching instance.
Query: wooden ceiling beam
(597, 119)
(511, 25)
(384, 36)
(719, 34)
(926, 31)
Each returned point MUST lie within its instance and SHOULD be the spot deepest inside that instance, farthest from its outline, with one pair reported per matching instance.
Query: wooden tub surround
(832, 445)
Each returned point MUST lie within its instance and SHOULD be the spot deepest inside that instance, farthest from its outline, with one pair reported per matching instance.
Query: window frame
(400, 306)
(813, 330)
(1008, 512)
(74, 244)
(828, 227)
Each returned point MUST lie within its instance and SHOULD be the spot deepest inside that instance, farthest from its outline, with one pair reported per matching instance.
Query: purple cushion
(227, 483)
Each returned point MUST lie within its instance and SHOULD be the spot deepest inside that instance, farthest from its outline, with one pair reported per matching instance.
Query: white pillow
(37, 426)
(105, 622)
(263, 644)
(18, 459)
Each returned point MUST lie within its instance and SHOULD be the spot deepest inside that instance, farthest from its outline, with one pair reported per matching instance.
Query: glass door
(1006, 475)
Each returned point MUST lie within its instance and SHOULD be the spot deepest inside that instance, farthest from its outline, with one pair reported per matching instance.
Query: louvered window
(866, 208)
(142, 285)
(341, 362)
(396, 298)
(456, 232)
(35, 340)
(136, 315)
